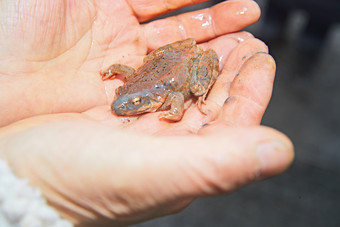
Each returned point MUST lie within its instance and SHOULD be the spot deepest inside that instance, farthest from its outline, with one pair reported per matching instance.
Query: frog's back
(168, 72)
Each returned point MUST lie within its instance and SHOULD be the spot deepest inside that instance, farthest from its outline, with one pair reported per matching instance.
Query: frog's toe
(200, 101)
(105, 75)
(170, 116)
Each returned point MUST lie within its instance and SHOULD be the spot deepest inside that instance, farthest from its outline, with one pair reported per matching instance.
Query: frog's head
(136, 103)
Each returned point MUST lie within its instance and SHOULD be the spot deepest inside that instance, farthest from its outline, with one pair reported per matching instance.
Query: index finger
(146, 10)
(202, 25)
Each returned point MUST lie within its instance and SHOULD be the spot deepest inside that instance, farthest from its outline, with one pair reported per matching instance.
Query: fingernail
(274, 157)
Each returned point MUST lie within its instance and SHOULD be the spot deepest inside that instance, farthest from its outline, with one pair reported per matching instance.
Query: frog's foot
(170, 116)
(176, 102)
(117, 69)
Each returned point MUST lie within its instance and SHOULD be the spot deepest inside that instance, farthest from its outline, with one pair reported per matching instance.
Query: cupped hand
(96, 168)
(51, 52)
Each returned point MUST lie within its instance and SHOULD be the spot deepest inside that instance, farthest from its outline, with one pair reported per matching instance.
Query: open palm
(52, 52)
(95, 167)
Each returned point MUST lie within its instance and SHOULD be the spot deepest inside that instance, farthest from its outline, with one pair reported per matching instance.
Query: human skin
(99, 169)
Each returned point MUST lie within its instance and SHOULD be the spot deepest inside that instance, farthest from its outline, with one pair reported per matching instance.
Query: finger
(146, 10)
(234, 61)
(223, 47)
(226, 17)
(250, 91)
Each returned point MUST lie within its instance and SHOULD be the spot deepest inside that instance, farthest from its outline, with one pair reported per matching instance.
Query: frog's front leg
(176, 102)
(203, 75)
(117, 69)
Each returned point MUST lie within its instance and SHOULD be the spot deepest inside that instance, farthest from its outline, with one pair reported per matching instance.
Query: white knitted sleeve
(21, 205)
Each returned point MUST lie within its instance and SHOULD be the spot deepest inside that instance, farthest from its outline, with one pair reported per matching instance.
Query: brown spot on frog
(168, 77)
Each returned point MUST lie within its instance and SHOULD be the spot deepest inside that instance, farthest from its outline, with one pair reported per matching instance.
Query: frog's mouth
(137, 103)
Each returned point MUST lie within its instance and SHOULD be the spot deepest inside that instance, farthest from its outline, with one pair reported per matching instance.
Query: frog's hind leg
(117, 69)
(182, 44)
(176, 102)
(203, 75)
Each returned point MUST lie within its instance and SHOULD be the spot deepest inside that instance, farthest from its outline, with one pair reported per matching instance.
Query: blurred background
(304, 38)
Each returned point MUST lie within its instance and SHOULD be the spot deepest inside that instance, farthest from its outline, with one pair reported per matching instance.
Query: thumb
(222, 159)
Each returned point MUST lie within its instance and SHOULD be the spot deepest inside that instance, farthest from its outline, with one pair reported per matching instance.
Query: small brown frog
(168, 77)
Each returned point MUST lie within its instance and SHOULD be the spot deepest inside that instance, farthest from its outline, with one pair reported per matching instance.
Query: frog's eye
(136, 101)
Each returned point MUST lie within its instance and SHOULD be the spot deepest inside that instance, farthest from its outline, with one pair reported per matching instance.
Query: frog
(168, 77)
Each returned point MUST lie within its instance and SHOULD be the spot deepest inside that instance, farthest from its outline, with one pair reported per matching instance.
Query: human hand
(94, 172)
(51, 52)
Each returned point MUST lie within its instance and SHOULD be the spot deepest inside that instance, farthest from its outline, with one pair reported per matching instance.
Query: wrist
(23, 205)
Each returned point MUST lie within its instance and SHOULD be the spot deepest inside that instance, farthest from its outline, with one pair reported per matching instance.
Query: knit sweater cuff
(23, 205)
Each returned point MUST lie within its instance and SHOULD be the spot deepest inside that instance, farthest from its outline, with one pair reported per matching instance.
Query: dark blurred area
(304, 38)
(320, 16)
